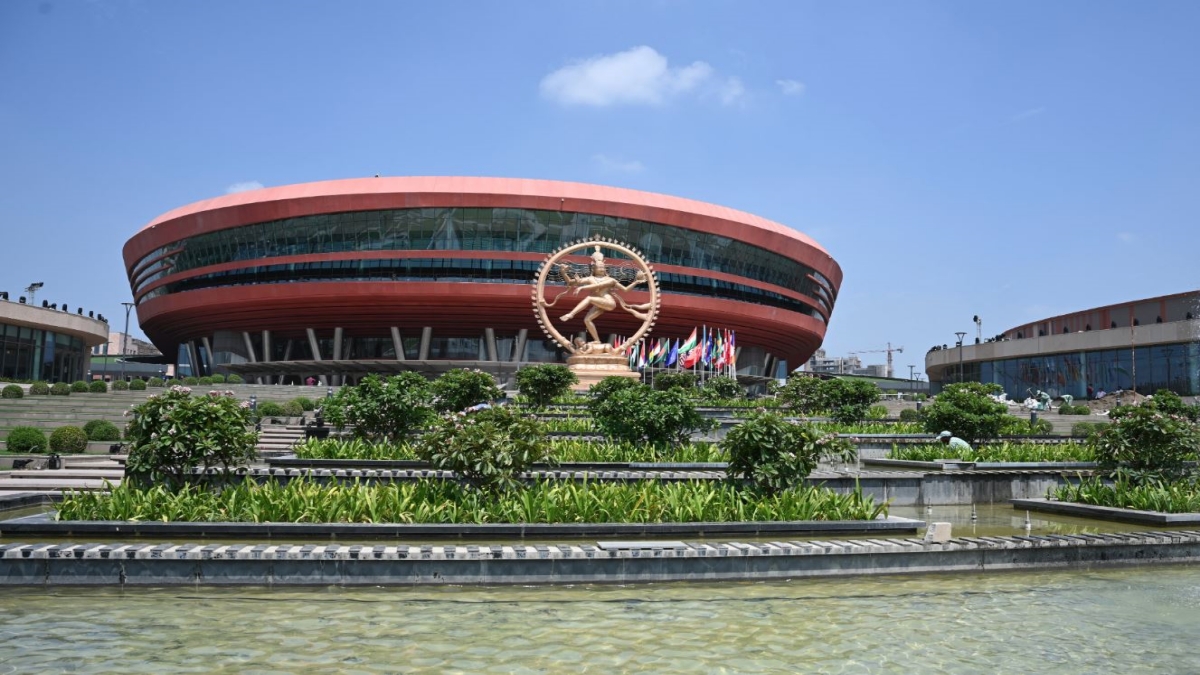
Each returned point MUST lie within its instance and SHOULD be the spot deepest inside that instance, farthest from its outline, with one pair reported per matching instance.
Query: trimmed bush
(120, 385)
(12, 391)
(79, 387)
(1074, 410)
(722, 388)
(234, 379)
(292, 409)
(1144, 443)
(967, 410)
(382, 409)
(191, 381)
(910, 415)
(1087, 428)
(137, 385)
(665, 381)
(639, 414)
(98, 387)
(488, 448)
(60, 389)
(101, 430)
(68, 440)
(544, 382)
(218, 379)
(206, 380)
(39, 389)
(26, 439)
(607, 387)
(155, 382)
(305, 403)
(771, 454)
(462, 388)
(270, 409)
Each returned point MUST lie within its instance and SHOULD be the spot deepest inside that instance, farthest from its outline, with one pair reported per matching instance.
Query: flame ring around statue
(604, 293)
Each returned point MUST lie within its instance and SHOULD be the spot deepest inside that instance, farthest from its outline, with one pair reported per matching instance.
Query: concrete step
(98, 474)
(35, 484)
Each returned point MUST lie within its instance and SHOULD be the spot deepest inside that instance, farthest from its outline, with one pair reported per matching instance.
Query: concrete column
(489, 337)
(426, 335)
(209, 352)
(250, 352)
(397, 344)
(287, 356)
(519, 346)
(266, 348)
(194, 357)
(337, 353)
(316, 351)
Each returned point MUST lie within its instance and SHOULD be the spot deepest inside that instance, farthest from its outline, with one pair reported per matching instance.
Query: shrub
(803, 394)
(98, 387)
(39, 389)
(607, 387)
(877, 412)
(911, 415)
(60, 389)
(639, 414)
(234, 379)
(722, 388)
(292, 409)
(1144, 443)
(1074, 410)
(101, 430)
(79, 387)
(665, 381)
(1167, 401)
(155, 382)
(1087, 428)
(270, 409)
(218, 379)
(26, 439)
(384, 409)
(1012, 425)
(305, 403)
(137, 385)
(206, 380)
(191, 381)
(771, 454)
(12, 391)
(121, 385)
(488, 448)
(175, 432)
(461, 388)
(68, 440)
(542, 383)
(968, 411)
(849, 401)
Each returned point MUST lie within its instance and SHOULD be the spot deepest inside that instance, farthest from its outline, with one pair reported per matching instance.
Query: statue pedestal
(591, 368)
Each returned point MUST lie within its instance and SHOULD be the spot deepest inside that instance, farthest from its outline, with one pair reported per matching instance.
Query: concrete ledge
(294, 565)
(1106, 512)
(958, 465)
(293, 462)
(45, 526)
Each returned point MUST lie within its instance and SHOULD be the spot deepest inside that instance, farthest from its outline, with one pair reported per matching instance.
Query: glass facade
(478, 229)
(1146, 369)
(34, 354)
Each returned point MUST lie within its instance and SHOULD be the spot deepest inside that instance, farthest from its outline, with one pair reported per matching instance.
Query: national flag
(633, 356)
(673, 355)
(655, 352)
(689, 344)
(642, 358)
(706, 348)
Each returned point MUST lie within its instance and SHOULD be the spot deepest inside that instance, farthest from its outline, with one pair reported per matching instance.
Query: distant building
(121, 343)
(46, 343)
(873, 370)
(821, 364)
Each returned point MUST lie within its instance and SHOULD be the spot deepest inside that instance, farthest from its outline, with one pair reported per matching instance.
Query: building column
(519, 344)
(489, 338)
(250, 352)
(287, 356)
(316, 351)
(208, 350)
(397, 344)
(426, 335)
(337, 354)
(266, 357)
(194, 358)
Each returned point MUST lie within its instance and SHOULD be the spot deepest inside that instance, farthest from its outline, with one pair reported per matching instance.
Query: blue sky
(1013, 160)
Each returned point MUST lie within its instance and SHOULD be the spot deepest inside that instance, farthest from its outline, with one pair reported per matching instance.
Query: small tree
(680, 380)
(722, 388)
(388, 409)
(542, 383)
(968, 411)
(175, 432)
(1144, 443)
(462, 388)
(849, 401)
(804, 394)
(607, 387)
(639, 414)
(488, 448)
(771, 454)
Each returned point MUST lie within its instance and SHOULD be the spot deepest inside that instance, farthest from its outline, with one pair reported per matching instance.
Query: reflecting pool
(1130, 620)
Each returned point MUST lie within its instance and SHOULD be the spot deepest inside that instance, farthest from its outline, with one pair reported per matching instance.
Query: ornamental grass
(1181, 496)
(1000, 452)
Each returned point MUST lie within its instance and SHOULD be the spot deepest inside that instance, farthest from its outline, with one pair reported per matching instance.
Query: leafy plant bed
(1003, 452)
(1110, 513)
(293, 462)
(301, 501)
(1161, 496)
(563, 450)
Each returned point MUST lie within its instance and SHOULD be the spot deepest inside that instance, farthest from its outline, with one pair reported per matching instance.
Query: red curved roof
(353, 194)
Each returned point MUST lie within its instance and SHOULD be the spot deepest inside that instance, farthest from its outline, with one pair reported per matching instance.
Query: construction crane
(890, 350)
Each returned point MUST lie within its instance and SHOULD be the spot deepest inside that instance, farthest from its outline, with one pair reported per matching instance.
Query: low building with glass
(343, 277)
(44, 343)
(1144, 346)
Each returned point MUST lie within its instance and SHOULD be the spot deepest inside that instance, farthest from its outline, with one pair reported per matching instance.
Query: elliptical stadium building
(341, 278)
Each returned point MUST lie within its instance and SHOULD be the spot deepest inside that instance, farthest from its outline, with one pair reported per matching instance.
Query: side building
(339, 278)
(46, 343)
(1144, 345)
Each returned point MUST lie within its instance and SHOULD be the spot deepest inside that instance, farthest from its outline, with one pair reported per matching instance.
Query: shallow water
(1132, 620)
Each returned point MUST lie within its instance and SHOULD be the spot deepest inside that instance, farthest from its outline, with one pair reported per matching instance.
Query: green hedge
(121, 385)
(137, 385)
(270, 409)
(155, 382)
(26, 439)
(98, 387)
(12, 391)
(79, 387)
(68, 440)
(61, 389)
(292, 409)
(39, 389)
(191, 381)
(234, 379)
(305, 403)
(218, 379)
(101, 430)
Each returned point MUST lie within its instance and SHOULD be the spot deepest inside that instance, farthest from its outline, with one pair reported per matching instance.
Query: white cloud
(1026, 114)
(732, 91)
(1126, 236)
(243, 186)
(790, 87)
(609, 164)
(639, 76)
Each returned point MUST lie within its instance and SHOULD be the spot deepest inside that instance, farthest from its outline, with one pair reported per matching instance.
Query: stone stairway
(78, 472)
(276, 440)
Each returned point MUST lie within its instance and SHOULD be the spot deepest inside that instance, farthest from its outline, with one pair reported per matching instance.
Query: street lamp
(961, 334)
(125, 338)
